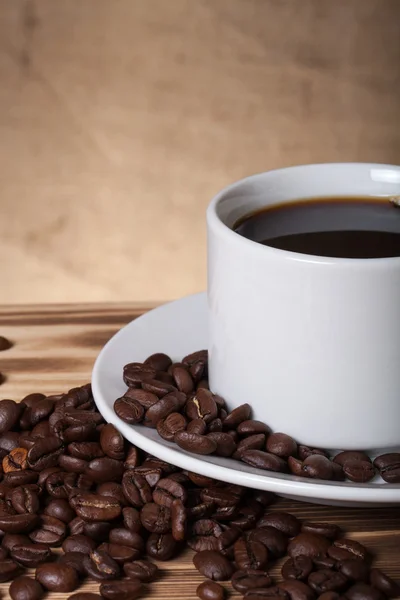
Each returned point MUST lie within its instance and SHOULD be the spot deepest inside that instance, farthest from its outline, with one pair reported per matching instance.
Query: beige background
(119, 120)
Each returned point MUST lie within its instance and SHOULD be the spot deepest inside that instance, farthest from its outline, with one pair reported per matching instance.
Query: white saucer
(177, 329)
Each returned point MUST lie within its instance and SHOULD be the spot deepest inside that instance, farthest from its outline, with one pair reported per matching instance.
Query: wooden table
(55, 347)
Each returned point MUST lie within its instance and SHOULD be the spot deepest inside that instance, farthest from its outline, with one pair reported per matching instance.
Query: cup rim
(216, 224)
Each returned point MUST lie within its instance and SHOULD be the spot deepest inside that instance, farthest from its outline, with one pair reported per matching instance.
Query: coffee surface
(341, 227)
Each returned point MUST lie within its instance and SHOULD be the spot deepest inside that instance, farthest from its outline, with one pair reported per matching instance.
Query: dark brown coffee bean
(225, 443)
(297, 590)
(325, 562)
(247, 515)
(354, 569)
(79, 543)
(264, 460)
(18, 523)
(128, 410)
(50, 531)
(131, 518)
(210, 590)
(59, 484)
(326, 580)
(121, 590)
(237, 416)
(178, 520)
(156, 518)
(213, 565)
(100, 566)
(85, 450)
(250, 554)
(136, 489)
(146, 399)
(43, 475)
(223, 496)
(299, 568)
(121, 554)
(26, 588)
(136, 373)
(10, 413)
(159, 388)
(144, 570)
(272, 593)
(384, 584)
(252, 427)
(252, 442)
(112, 442)
(104, 469)
(5, 344)
(342, 458)
(16, 460)
(72, 464)
(389, 467)
(9, 570)
(113, 490)
(183, 379)
(215, 426)
(25, 499)
(243, 581)
(14, 539)
(197, 426)
(151, 474)
(31, 555)
(308, 544)
(158, 361)
(170, 403)
(167, 490)
(199, 355)
(328, 530)
(93, 507)
(44, 453)
(57, 577)
(318, 467)
(360, 471)
(17, 478)
(8, 441)
(125, 537)
(282, 445)
(132, 459)
(168, 427)
(202, 406)
(192, 442)
(343, 549)
(284, 522)
(74, 560)
(161, 546)
(273, 539)
(363, 591)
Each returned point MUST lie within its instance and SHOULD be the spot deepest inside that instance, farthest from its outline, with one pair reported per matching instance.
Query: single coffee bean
(156, 518)
(210, 590)
(57, 577)
(26, 588)
(215, 426)
(161, 546)
(297, 590)
(31, 555)
(5, 344)
(144, 570)
(225, 444)
(192, 442)
(136, 489)
(281, 444)
(237, 416)
(213, 565)
(158, 361)
(121, 554)
(16, 460)
(145, 398)
(112, 442)
(159, 387)
(125, 537)
(17, 478)
(74, 560)
(250, 554)
(10, 413)
(14, 539)
(197, 426)
(264, 460)
(168, 404)
(284, 522)
(22, 523)
(72, 464)
(384, 584)
(93, 507)
(25, 499)
(343, 549)
(249, 579)
(131, 519)
(360, 471)
(308, 544)
(183, 379)
(328, 530)
(167, 490)
(363, 591)
(50, 531)
(85, 450)
(136, 373)
(168, 427)
(60, 509)
(44, 453)
(252, 427)
(202, 406)
(79, 543)
(273, 539)
(178, 520)
(100, 566)
(326, 580)
(318, 467)
(151, 475)
(342, 458)
(252, 442)
(128, 410)
(355, 569)
(299, 568)
(9, 570)
(121, 590)
(389, 467)
(105, 469)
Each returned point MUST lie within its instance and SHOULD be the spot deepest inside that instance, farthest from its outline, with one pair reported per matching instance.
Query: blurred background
(120, 119)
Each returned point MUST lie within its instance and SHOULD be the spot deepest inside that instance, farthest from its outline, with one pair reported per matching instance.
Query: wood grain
(54, 350)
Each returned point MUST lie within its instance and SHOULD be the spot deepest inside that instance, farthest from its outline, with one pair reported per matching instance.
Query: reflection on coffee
(342, 227)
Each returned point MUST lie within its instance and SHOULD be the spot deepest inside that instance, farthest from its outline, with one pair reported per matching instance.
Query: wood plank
(55, 347)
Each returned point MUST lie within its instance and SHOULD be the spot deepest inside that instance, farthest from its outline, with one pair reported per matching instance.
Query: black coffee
(340, 227)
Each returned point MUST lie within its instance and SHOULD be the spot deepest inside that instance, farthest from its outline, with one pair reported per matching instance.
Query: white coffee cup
(312, 343)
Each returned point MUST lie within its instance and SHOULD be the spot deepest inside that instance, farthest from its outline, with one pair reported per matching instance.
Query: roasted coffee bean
(43, 475)
(50, 531)
(168, 404)
(8, 441)
(25, 499)
(158, 361)
(363, 591)
(14, 539)
(355, 569)
(281, 444)
(328, 530)
(151, 474)
(297, 590)
(161, 546)
(250, 554)
(192, 442)
(10, 413)
(168, 427)
(72, 464)
(121, 590)
(104, 469)
(9, 570)
(317, 467)
(31, 555)
(215, 426)
(225, 496)
(342, 458)
(308, 544)
(272, 593)
(178, 520)
(247, 515)
(299, 568)
(100, 566)
(213, 565)
(343, 549)
(284, 522)
(389, 467)
(156, 518)
(197, 426)
(210, 590)
(252, 442)
(93, 507)
(183, 379)
(144, 570)
(85, 450)
(79, 543)
(5, 344)
(199, 355)
(144, 398)
(249, 579)
(384, 584)
(360, 471)
(136, 489)
(167, 490)
(136, 373)
(74, 560)
(226, 540)
(202, 406)
(17, 478)
(26, 588)
(44, 453)
(57, 577)
(273, 539)
(325, 562)
(18, 523)
(128, 410)
(326, 580)
(225, 443)
(16, 460)
(264, 460)
(121, 554)
(125, 537)
(252, 427)
(304, 452)
(112, 442)
(131, 518)
(113, 490)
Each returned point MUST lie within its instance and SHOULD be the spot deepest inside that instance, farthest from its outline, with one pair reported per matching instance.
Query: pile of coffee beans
(78, 502)
(175, 399)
